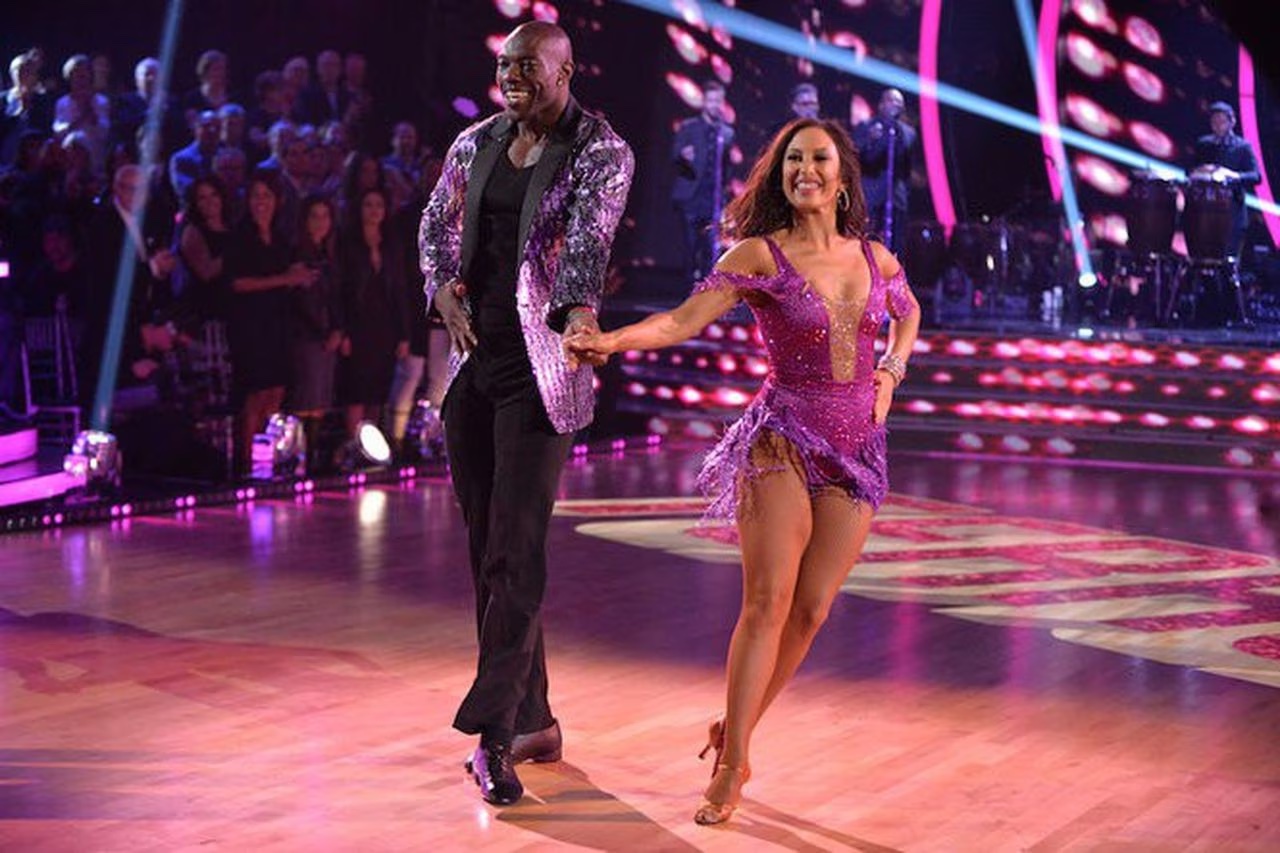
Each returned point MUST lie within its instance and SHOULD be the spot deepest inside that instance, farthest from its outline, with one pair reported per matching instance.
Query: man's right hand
(456, 321)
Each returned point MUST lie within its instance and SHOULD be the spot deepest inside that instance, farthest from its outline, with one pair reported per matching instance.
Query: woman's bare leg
(840, 528)
(774, 526)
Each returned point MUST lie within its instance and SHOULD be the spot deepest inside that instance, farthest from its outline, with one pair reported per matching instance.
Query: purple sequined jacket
(576, 196)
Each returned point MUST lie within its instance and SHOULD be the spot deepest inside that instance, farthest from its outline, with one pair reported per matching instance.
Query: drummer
(1226, 157)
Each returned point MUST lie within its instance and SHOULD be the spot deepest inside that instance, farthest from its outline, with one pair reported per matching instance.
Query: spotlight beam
(100, 415)
(786, 40)
(1040, 57)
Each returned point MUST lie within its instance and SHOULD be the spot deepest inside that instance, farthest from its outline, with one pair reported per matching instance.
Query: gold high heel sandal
(715, 740)
(711, 813)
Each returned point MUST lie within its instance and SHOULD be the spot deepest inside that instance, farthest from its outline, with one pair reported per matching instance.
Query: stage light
(1087, 280)
(1251, 424)
(1143, 35)
(511, 8)
(1144, 83)
(1266, 393)
(1088, 58)
(686, 45)
(372, 444)
(94, 459)
(280, 450)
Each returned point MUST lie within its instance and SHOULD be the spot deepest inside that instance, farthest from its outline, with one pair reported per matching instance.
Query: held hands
(585, 347)
(583, 341)
(454, 313)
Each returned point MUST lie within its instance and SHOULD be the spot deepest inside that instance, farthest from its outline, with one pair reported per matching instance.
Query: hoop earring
(843, 201)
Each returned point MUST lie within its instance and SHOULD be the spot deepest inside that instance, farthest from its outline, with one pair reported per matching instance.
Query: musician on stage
(700, 150)
(886, 145)
(1223, 155)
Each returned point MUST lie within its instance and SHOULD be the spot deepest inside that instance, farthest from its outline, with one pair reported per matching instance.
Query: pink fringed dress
(819, 393)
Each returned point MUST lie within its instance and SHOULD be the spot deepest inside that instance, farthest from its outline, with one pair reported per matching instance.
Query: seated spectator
(362, 172)
(196, 160)
(334, 148)
(130, 111)
(278, 138)
(327, 99)
(360, 101)
(232, 169)
(296, 74)
(268, 108)
(132, 222)
(81, 185)
(212, 93)
(232, 119)
(60, 279)
(27, 107)
(84, 110)
(403, 166)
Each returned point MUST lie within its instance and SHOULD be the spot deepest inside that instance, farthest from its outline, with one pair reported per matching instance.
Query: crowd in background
(277, 228)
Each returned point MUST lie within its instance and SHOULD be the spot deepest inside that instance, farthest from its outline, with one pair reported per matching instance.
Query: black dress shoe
(494, 772)
(539, 747)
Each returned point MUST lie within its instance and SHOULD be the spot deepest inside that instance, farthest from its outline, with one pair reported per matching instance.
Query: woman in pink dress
(804, 469)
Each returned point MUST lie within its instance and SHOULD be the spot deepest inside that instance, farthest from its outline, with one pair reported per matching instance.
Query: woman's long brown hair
(762, 208)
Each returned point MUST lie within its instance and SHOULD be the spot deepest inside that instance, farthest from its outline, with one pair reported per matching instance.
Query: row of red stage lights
(990, 410)
(1110, 353)
(1263, 393)
(1062, 448)
(1005, 443)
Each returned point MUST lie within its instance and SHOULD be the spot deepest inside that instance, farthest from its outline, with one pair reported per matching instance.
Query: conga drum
(1151, 211)
(1207, 219)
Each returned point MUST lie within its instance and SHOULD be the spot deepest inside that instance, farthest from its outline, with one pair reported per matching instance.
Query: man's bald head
(546, 36)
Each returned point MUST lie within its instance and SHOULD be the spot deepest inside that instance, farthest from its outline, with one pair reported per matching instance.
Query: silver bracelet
(894, 366)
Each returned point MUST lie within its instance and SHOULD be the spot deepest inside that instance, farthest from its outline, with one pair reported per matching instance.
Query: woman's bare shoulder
(749, 256)
(885, 259)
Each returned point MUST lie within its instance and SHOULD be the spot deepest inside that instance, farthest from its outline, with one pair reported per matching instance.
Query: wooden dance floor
(1028, 658)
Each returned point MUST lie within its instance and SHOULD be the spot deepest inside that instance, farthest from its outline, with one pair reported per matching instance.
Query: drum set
(1204, 288)
(996, 268)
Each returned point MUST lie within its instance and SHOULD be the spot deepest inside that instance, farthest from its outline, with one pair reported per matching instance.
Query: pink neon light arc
(930, 122)
(1249, 127)
(1047, 94)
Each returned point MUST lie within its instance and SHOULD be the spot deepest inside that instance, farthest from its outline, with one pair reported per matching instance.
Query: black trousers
(505, 459)
(700, 251)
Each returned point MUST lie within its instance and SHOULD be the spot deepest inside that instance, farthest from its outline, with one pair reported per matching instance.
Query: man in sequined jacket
(514, 243)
